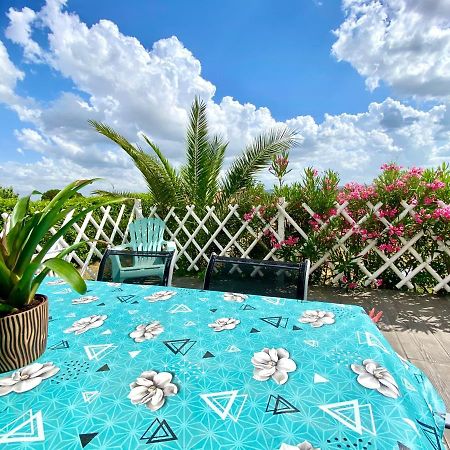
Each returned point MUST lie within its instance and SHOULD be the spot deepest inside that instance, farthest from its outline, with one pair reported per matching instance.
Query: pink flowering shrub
(360, 216)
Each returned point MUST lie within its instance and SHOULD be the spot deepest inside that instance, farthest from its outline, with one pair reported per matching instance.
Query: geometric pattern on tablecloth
(86, 402)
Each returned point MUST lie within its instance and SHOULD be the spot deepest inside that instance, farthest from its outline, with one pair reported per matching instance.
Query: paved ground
(417, 326)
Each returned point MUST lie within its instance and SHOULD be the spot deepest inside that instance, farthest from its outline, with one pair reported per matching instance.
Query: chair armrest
(121, 247)
(169, 246)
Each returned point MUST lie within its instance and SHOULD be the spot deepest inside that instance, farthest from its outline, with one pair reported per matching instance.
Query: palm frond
(196, 172)
(217, 148)
(170, 171)
(159, 184)
(115, 194)
(255, 157)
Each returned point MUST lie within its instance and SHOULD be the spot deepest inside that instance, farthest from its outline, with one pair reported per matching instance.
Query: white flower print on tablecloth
(272, 363)
(160, 296)
(234, 297)
(373, 376)
(113, 284)
(27, 378)
(84, 300)
(151, 389)
(146, 332)
(86, 323)
(224, 323)
(305, 445)
(56, 282)
(317, 318)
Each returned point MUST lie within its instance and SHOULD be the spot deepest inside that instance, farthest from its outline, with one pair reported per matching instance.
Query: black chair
(249, 276)
(135, 267)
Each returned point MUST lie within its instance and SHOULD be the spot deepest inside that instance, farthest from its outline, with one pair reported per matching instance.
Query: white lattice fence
(196, 242)
(197, 234)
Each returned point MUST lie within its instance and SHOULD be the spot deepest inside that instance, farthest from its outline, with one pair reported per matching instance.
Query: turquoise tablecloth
(272, 376)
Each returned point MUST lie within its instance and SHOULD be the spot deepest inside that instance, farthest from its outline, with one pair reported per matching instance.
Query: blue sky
(272, 62)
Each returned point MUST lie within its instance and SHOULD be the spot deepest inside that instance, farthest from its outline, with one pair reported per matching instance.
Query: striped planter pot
(23, 336)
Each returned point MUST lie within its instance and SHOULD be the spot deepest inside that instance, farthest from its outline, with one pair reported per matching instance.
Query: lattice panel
(197, 235)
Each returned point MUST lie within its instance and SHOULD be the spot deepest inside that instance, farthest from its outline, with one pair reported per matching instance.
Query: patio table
(273, 374)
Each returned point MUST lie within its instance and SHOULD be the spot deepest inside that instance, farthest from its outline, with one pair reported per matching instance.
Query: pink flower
(375, 316)
(276, 245)
(390, 166)
(442, 212)
(344, 279)
(416, 172)
(435, 185)
(328, 184)
(248, 216)
(352, 285)
(291, 240)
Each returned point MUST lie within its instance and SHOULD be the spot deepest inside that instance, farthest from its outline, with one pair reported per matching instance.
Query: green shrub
(7, 192)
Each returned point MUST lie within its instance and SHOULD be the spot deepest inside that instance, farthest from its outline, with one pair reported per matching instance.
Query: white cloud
(404, 43)
(9, 75)
(117, 80)
(19, 31)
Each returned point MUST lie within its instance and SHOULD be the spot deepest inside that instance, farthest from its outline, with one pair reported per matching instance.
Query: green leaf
(49, 218)
(67, 272)
(196, 172)
(61, 232)
(151, 169)
(38, 279)
(4, 308)
(20, 293)
(255, 157)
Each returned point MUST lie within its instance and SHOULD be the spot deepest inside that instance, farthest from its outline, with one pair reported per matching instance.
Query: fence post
(281, 219)
(138, 208)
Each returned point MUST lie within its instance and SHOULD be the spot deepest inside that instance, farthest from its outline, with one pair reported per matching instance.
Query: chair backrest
(146, 234)
(249, 276)
(120, 265)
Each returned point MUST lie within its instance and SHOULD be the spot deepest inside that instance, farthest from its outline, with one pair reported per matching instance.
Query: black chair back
(135, 267)
(249, 276)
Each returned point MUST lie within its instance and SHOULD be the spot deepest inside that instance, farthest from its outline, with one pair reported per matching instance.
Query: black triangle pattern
(296, 328)
(125, 298)
(101, 304)
(181, 346)
(254, 330)
(402, 446)
(158, 431)
(247, 307)
(277, 321)
(208, 355)
(86, 438)
(213, 310)
(59, 345)
(431, 434)
(279, 405)
(104, 368)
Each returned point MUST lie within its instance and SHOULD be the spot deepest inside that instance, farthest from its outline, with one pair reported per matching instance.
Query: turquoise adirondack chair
(146, 235)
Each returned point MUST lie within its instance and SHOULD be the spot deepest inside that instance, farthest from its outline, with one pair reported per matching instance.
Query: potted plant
(24, 312)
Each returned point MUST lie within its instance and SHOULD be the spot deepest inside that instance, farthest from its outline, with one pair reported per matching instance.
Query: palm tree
(199, 181)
